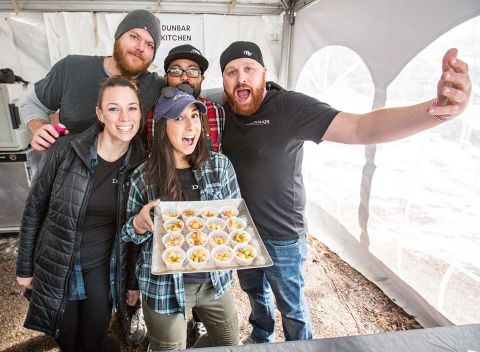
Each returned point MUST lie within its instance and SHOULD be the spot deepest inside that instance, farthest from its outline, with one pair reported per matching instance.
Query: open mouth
(188, 140)
(243, 94)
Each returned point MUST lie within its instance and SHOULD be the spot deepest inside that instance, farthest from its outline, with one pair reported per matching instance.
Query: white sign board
(178, 30)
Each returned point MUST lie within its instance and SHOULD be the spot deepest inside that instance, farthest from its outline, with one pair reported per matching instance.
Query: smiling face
(194, 82)
(183, 134)
(120, 113)
(133, 52)
(244, 85)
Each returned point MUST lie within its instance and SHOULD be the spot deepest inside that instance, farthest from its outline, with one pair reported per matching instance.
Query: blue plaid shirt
(165, 294)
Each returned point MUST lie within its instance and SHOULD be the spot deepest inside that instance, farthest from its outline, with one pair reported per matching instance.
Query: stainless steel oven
(16, 173)
(13, 134)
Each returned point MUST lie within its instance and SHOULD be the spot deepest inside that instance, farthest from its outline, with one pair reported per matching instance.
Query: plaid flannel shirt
(216, 119)
(165, 294)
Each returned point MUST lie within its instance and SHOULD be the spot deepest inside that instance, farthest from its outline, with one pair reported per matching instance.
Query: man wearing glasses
(185, 64)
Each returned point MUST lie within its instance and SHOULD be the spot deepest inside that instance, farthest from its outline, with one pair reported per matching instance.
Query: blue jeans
(285, 280)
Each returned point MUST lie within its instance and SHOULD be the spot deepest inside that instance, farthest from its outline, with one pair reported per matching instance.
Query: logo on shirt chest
(194, 187)
(114, 180)
(259, 123)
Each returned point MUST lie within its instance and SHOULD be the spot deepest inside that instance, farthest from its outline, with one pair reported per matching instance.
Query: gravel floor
(342, 302)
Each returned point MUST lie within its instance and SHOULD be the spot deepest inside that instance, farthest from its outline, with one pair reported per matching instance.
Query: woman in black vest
(70, 258)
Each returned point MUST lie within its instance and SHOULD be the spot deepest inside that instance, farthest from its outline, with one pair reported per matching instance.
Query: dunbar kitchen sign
(180, 29)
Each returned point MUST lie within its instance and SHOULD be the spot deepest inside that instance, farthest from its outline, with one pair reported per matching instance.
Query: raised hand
(454, 87)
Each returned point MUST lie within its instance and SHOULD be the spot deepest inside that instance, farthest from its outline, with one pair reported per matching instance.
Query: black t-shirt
(190, 189)
(266, 150)
(191, 192)
(100, 222)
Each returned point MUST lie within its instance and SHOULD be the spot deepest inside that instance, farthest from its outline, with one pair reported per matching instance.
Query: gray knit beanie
(141, 19)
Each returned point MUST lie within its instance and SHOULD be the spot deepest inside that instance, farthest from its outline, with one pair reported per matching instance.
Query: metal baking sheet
(158, 266)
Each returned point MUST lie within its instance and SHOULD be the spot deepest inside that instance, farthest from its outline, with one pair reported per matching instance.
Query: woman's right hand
(25, 282)
(142, 222)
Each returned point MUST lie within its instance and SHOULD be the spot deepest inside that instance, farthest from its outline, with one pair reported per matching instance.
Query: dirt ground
(342, 302)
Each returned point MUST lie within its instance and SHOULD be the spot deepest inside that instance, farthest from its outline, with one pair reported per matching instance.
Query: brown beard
(126, 69)
(252, 107)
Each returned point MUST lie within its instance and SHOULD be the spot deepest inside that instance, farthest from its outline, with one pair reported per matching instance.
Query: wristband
(439, 117)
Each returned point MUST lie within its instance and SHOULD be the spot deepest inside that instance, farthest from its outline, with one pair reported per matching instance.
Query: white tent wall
(429, 282)
(92, 34)
(33, 42)
(23, 43)
(386, 34)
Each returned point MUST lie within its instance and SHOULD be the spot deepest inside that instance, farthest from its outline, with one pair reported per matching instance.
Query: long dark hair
(160, 168)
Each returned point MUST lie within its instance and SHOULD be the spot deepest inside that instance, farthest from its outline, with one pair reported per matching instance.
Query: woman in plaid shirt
(180, 168)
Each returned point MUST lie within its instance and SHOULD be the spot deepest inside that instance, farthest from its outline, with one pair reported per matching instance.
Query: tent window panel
(332, 172)
(435, 177)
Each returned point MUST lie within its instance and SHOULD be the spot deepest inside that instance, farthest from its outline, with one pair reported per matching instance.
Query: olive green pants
(169, 331)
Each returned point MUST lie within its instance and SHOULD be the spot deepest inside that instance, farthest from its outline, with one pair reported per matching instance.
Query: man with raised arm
(265, 128)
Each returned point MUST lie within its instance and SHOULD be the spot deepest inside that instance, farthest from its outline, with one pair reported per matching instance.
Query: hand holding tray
(206, 236)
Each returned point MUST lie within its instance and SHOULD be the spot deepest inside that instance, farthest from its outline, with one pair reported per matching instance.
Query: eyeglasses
(169, 91)
(178, 72)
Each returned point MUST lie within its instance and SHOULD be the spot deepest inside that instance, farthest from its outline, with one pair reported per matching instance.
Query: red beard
(125, 67)
(251, 108)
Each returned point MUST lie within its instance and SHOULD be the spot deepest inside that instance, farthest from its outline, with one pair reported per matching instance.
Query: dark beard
(119, 55)
(196, 90)
(254, 105)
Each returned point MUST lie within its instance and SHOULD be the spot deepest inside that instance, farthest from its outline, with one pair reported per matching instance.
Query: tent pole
(286, 45)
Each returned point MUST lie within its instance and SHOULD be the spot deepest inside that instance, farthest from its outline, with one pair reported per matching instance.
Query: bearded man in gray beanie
(71, 87)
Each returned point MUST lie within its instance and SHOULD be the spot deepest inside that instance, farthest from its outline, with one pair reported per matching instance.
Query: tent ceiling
(235, 7)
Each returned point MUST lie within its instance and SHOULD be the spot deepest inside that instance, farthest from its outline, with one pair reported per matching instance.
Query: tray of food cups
(205, 236)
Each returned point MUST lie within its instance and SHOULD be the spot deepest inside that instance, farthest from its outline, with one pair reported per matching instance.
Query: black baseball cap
(186, 51)
(241, 49)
